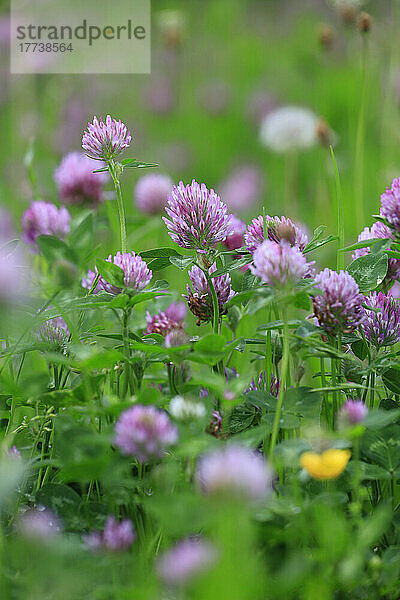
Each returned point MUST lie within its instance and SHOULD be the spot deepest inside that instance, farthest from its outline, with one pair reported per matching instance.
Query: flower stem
(214, 299)
(340, 216)
(216, 324)
(284, 375)
(125, 336)
(360, 136)
(325, 394)
(113, 170)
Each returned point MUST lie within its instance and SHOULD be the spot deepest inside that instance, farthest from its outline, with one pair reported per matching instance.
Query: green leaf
(60, 498)
(54, 249)
(303, 401)
(111, 273)
(242, 297)
(145, 296)
(360, 349)
(249, 281)
(301, 300)
(381, 418)
(359, 245)
(132, 163)
(182, 262)
(311, 247)
(383, 447)
(233, 266)
(119, 301)
(159, 263)
(381, 245)
(391, 378)
(292, 324)
(159, 253)
(369, 271)
(244, 416)
(103, 359)
(210, 344)
(83, 234)
(83, 455)
(368, 472)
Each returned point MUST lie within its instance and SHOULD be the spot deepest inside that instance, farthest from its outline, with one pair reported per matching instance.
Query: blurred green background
(197, 113)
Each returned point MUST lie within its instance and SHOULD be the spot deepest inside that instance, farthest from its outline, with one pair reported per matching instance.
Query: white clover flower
(184, 410)
(289, 128)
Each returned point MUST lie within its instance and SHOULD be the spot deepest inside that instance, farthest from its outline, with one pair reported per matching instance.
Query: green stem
(113, 170)
(214, 299)
(216, 320)
(360, 137)
(325, 394)
(171, 379)
(125, 337)
(284, 374)
(340, 216)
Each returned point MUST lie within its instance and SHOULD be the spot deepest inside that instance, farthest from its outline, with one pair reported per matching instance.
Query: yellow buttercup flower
(328, 465)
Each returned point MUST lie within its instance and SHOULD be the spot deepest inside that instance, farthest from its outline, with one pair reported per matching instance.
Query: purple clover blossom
(176, 337)
(39, 523)
(186, 560)
(353, 412)
(44, 218)
(160, 323)
(378, 231)
(199, 220)
(394, 291)
(105, 140)
(54, 332)
(144, 432)
(241, 190)
(215, 426)
(13, 452)
(88, 281)
(166, 321)
(261, 385)
(176, 311)
(236, 470)
(118, 536)
(137, 275)
(151, 192)
(339, 305)
(235, 239)
(381, 328)
(199, 298)
(115, 537)
(278, 229)
(76, 182)
(390, 204)
(280, 265)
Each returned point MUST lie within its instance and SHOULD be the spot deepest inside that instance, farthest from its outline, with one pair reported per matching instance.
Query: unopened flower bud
(347, 14)
(364, 22)
(326, 36)
(323, 133)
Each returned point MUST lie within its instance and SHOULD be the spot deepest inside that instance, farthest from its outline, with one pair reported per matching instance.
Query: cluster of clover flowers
(275, 250)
